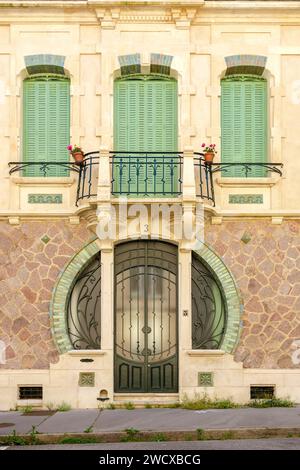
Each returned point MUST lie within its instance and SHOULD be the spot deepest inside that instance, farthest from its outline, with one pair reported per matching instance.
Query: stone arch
(61, 293)
(231, 295)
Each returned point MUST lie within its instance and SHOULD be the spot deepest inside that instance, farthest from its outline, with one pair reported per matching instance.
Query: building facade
(143, 273)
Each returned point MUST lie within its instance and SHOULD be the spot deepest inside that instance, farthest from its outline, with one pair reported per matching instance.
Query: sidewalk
(158, 420)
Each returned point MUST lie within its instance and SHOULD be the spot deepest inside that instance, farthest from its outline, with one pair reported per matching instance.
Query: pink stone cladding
(266, 271)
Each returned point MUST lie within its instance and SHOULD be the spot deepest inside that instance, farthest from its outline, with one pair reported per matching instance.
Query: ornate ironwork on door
(146, 317)
(208, 308)
(84, 309)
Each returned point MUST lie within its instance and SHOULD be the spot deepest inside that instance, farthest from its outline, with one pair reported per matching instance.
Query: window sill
(247, 182)
(205, 352)
(43, 181)
(29, 402)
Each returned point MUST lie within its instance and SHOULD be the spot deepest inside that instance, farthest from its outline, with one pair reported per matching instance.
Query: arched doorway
(146, 346)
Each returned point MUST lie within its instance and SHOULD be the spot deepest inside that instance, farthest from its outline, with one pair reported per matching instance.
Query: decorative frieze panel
(181, 16)
(86, 379)
(246, 199)
(44, 199)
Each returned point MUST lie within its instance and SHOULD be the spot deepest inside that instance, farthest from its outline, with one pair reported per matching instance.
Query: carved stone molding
(90, 216)
(108, 17)
(182, 16)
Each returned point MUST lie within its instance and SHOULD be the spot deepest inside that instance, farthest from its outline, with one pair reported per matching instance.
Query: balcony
(148, 174)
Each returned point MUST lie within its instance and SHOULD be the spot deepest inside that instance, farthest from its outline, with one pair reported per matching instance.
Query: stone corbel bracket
(108, 17)
(183, 17)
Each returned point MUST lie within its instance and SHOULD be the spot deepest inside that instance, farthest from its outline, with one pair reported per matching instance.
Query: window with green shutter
(244, 126)
(46, 124)
(145, 120)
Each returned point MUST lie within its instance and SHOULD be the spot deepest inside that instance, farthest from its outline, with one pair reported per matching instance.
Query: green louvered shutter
(46, 124)
(244, 124)
(145, 120)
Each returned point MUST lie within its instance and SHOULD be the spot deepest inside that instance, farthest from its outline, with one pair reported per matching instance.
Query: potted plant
(209, 153)
(77, 153)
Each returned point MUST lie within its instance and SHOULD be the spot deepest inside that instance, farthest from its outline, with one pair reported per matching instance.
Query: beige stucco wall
(91, 37)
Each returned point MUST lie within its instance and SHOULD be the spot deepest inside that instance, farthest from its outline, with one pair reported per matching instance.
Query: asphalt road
(241, 444)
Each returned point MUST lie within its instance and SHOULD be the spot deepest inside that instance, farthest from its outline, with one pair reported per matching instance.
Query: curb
(148, 436)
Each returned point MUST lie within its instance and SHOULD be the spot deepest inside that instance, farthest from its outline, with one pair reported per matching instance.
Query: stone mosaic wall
(31, 257)
(264, 259)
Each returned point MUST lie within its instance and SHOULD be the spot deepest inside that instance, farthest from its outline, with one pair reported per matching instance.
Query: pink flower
(203, 145)
(69, 147)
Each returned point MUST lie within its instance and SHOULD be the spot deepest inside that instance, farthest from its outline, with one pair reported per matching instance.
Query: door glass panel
(146, 317)
(130, 318)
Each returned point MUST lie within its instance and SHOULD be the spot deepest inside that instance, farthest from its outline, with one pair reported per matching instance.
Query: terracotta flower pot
(78, 157)
(209, 157)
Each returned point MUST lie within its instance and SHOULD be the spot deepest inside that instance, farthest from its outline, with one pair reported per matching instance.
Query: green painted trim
(45, 199)
(205, 379)
(46, 124)
(246, 199)
(61, 292)
(244, 124)
(231, 294)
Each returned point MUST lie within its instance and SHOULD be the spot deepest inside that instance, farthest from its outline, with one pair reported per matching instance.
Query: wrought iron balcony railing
(204, 173)
(140, 174)
(248, 170)
(146, 174)
(88, 177)
(203, 178)
(43, 169)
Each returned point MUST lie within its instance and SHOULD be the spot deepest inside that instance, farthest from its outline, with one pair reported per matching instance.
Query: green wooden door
(145, 120)
(46, 124)
(146, 318)
(244, 124)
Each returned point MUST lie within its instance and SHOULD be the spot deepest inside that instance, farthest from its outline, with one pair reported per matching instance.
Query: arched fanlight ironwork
(84, 308)
(208, 308)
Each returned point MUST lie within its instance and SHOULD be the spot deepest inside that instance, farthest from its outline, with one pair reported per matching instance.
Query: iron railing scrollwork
(84, 308)
(157, 174)
(146, 316)
(247, 168)
(209, 316)
(203, 178)
(88, 177)
(44, 167)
